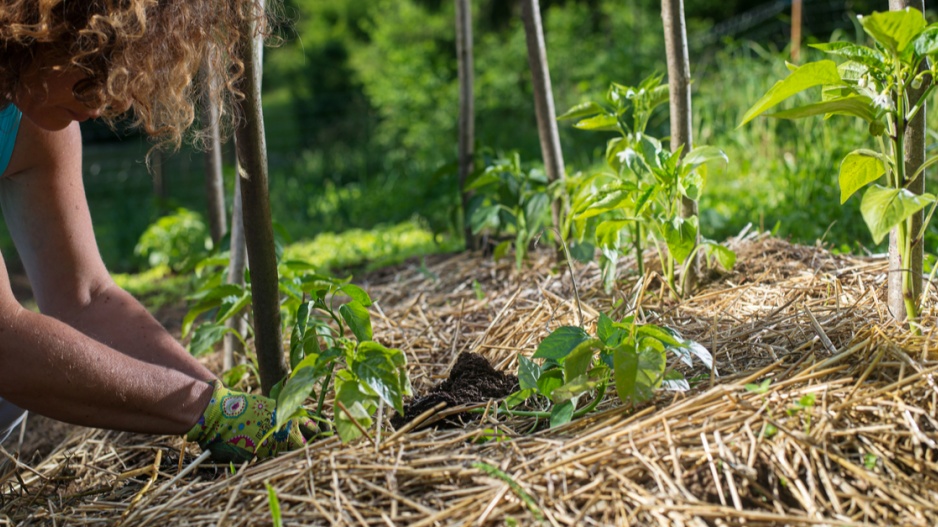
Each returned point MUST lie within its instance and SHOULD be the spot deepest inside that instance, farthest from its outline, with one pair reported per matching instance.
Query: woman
(94, 356)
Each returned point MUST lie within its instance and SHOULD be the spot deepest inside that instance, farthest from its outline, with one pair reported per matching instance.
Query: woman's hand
(234, 424)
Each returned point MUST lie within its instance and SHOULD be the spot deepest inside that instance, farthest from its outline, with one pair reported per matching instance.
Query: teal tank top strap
(9, 126)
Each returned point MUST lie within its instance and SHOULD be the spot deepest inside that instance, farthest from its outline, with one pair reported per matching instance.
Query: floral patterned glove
(234, 423)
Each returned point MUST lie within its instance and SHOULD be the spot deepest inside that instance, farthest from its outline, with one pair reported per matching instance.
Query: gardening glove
(234, 424)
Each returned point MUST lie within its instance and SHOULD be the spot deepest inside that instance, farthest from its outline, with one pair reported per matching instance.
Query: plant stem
(322, 394)
(639, 250)
(600, 393)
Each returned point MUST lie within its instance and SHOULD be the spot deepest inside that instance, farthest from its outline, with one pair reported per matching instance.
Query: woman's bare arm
(95, 356)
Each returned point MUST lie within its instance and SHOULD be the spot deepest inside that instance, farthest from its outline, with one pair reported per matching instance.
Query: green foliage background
(361, 114)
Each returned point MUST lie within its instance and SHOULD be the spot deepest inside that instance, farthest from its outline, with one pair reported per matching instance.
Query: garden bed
(844, 430)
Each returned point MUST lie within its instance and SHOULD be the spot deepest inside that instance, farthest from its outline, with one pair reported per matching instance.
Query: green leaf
(561, 414)
(528, 373)
(233, 376)
(927, 42)
(578, 362)
(858, 169)
(357, 294)
(704, 154)
(674, 381)
(607, 233)
(293, 393)
(362, 406)
(274, 505)
(205, 338)
(697, 350)
(604, 328)
(358, 320)
(375, 367)
(549, 381)
(807, 76)
(501, 250)
(658, 333)
(855, 105)
(611, 200)
(638, 372)
(760, 388)
(857, 53)
(519, 397)
(681, 236)
(723, 254)
(581, 110)
(231, 306)
(535, 210)
(884, 208)
(574, 388)
(560, 343)
(298, 334)
(606, 122)
(484, 218)
(894, 29)
(209, 300)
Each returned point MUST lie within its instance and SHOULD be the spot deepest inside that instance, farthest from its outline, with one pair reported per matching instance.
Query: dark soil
(472, 380)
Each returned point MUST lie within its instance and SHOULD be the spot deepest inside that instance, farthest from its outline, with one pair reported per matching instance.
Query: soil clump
(472, 380)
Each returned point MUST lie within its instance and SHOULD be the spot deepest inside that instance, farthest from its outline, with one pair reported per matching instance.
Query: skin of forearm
(51, 368)
(113, 317)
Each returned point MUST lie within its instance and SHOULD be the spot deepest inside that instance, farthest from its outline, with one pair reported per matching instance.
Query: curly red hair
(146, 53)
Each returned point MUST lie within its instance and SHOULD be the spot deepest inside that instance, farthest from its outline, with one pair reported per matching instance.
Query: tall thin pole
(466, 110)
(675, 40)
(795, 30)
(214, 182)
(543, 96)
(258, 226)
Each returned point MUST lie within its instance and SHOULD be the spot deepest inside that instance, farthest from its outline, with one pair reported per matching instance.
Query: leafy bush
(639, 197)
(178, 240)
(508, 200)
(573, 364)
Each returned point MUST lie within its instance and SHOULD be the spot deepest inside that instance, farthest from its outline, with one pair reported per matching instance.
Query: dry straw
(843, 433)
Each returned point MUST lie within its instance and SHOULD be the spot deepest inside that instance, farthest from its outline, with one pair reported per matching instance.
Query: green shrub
(178, 240)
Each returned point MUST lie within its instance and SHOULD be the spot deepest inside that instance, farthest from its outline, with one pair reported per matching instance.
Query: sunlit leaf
(884, 208)
(894, 29)
(358, 320)
(548, 381)
(855, 52)
(807, 76)
(205, 337)
(375, 367)
(854, 105)
(528, 373)
(680, 234)
(293, 393)
(674, 381)
(560, 343)
(858, 169)
(581, 110)
(578, 362)
(605, 122)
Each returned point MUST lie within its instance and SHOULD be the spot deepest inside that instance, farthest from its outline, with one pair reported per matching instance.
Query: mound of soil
(472, 380)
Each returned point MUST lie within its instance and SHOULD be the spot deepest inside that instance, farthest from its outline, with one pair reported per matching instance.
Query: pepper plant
(640, 198)
(331, 350)
(574, 363)
(873, 83)
(509, 200)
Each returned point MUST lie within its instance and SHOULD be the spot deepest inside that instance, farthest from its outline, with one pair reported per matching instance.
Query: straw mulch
(862, 451)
